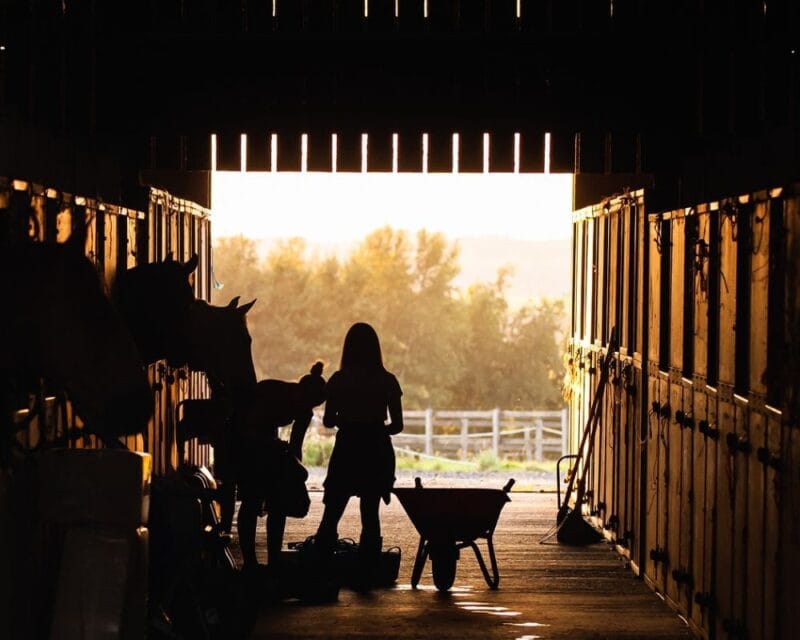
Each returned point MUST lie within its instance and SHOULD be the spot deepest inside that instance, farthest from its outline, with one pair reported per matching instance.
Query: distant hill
(541, 269)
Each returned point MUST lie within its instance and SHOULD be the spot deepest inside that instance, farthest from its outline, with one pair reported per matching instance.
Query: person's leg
(246, 525)
(334, 509)
(370, 543)
(276, 524)
(370, 520)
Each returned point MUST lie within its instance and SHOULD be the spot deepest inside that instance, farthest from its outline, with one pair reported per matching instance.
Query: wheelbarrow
(449, 520)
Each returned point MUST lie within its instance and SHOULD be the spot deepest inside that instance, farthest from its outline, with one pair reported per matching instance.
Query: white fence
(456, 435)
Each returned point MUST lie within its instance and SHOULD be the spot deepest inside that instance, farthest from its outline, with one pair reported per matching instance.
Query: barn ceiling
(156, 78)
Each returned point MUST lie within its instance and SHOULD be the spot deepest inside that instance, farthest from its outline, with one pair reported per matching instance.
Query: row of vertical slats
(360, 16)
(581, 152)
(379, 158)
(692, 467)
(470, 16)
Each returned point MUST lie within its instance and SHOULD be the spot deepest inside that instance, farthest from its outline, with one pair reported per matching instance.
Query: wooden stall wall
(694, 471)
(609, 284)
(783, 473)
(177, 228)
(116, 238)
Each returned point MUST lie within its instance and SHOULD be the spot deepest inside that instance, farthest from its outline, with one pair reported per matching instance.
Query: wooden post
(429, 432)
(496, 432)
(539, 443)
(564, 434)
(526, 439)
(464, 437)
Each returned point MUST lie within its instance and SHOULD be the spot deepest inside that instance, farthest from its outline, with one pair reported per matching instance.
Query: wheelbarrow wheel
(443, 562)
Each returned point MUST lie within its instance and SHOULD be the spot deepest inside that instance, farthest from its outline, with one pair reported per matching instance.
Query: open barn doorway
(465, 275)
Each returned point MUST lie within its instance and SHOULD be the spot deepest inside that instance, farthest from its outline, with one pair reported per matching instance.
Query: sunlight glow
(273, 152)
(395, 152)
(213, 152)
(334, 151)
(424, 153)
(304, 153)
(455, 152)
(243, 152)
(345, 207)
(486, 153)
(516, 152)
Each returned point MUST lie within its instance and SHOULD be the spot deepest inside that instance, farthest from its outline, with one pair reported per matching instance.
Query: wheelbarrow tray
(451, 519)
(453, 514)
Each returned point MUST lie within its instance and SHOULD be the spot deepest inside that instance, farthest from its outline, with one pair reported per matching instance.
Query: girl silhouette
(362, 462)
(264, 475)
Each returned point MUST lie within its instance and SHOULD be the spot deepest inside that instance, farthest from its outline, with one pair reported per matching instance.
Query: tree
(538, 345)
(484, 372)
(234, 261)
(450, 349)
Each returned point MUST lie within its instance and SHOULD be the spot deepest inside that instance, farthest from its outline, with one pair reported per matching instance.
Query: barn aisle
(546, 591)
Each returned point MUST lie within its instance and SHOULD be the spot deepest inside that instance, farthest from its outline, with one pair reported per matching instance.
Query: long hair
(361, 349)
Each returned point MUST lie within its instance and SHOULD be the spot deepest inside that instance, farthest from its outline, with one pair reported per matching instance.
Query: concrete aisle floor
(546, 591)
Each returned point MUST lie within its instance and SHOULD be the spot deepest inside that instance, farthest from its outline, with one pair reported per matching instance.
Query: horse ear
(233, 303)
(246, 307)
(190, 265)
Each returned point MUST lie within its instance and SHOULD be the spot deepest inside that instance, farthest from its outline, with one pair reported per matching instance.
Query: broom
(572, 528)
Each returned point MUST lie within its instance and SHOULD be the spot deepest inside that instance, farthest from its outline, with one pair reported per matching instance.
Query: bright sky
(343, 207)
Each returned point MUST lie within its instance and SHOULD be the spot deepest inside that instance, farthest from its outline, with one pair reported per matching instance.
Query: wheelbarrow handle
(509, 484)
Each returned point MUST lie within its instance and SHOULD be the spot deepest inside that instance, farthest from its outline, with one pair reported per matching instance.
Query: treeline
(449, 348)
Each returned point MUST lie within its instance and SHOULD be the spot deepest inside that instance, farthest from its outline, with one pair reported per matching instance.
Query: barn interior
(679, 123)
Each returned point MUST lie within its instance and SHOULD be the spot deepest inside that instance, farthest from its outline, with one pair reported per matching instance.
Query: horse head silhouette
(154, 300)
(218, 342)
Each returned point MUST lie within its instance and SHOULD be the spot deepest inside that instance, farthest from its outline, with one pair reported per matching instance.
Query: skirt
(362, 463)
